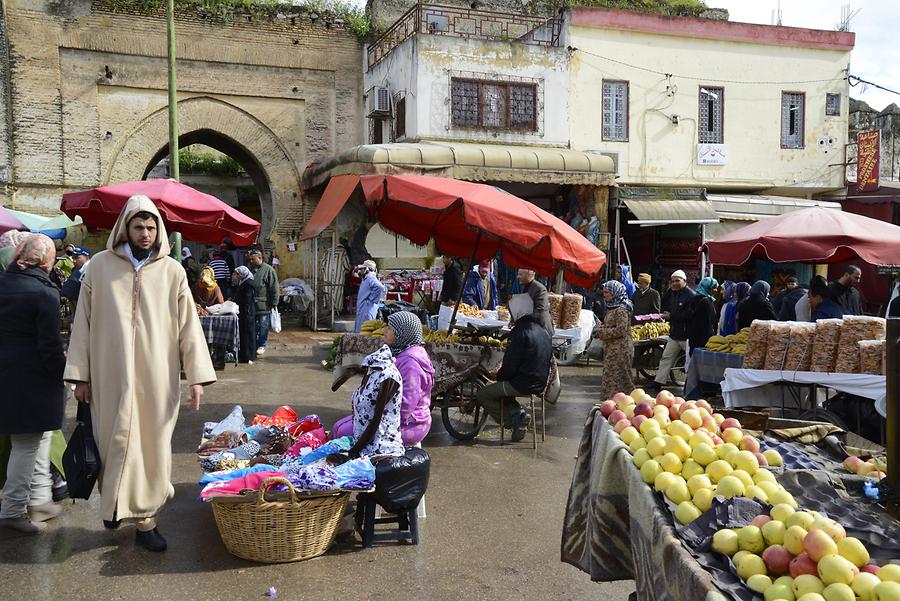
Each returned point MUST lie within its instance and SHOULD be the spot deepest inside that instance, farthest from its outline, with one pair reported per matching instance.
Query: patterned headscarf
(408, 329)
(208, 278)
(706, 287)
(35, 251)
(619, 295)
(243, 273)
(13, 238)
(741, 291)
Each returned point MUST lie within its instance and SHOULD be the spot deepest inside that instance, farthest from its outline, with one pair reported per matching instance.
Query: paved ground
(492, 532)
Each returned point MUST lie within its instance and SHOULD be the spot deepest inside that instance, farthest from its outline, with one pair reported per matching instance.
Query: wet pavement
(492, 532)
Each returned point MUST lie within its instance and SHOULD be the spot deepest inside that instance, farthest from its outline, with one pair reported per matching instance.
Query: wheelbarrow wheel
(461, 413)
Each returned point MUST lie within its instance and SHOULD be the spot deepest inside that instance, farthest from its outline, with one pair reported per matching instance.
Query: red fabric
(453, 212)
(198, 216)
(813, 235)
(307, 424)
(336, 195)
(313, 439)
(9, 222)
(283, 417)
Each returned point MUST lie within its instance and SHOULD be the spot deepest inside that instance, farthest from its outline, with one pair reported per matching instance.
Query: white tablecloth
(754, 387)
(580, 335)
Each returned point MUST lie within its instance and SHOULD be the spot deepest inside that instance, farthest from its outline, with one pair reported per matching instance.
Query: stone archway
(222, 126)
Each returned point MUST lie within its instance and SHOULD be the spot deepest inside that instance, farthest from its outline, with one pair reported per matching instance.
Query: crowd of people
(135, 330)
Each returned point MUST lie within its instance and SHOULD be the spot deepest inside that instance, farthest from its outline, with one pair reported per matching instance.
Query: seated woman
(403, 335)
(206, 291)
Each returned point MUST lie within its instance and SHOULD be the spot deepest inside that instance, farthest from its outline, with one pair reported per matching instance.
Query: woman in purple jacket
(404, 336)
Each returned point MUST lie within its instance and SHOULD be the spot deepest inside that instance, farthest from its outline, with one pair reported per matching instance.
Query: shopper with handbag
(31, 371)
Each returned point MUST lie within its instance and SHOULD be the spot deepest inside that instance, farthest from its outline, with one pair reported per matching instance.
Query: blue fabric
(356, 473)
(828, 309)
(232, 474)
(729, 326)
(473, 294)
(262, 329)
(233, 422)
(706, 287)
(344, 443)
(367, 301)
(708, 367)
(626, 280)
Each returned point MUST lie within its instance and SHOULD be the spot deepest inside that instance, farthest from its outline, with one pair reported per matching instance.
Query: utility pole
(173, 96)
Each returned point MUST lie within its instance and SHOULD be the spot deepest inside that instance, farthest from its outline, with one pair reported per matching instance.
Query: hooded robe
(133, 330)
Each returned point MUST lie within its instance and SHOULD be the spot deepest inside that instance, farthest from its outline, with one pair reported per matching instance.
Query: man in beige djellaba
(135, 328)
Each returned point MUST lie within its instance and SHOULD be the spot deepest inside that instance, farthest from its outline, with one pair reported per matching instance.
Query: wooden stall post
(893, 409)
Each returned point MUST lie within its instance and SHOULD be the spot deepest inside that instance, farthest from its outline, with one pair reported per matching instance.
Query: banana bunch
(439, 337)
(646, 331)
(734, 343)
(373, 327)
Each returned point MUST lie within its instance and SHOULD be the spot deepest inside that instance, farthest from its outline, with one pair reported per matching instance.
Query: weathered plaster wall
(89, 99)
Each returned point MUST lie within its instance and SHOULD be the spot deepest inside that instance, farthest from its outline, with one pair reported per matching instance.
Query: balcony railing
(458, 22)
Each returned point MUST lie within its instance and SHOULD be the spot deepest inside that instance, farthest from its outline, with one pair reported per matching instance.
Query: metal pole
(463, 287)
(173, 96)
(315, 284)
(893, 409)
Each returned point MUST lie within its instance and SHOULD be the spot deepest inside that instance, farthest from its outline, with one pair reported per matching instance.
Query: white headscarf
(520, 305)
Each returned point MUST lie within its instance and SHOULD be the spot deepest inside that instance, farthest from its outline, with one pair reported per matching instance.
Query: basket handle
(261, 494)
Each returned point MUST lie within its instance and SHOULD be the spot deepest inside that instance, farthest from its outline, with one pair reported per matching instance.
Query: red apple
(748, 443)
(763, 462)
(643, 409)
(621, 425)
(678, 400)
(730, 422)
(673, 412)
(803, 564)
(761, 519)
(710, 424)
(617, 416)
(778, 560)
(852, 463)
(607, 407)
(705, 405)
(688, 405)
(871, 568)
(637, 420)
(664, 398)
(717, 440)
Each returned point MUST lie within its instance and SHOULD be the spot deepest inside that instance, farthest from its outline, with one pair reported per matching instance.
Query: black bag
(400, 482)
(81, 459)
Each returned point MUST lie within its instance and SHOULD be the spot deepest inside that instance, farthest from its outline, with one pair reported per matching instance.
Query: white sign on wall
(711, 154)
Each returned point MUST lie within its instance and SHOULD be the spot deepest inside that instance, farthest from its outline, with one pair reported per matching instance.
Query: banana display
(646, 331)
(735, 343)
(373, 327)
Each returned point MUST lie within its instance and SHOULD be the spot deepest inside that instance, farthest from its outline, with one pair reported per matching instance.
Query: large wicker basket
(280, 531)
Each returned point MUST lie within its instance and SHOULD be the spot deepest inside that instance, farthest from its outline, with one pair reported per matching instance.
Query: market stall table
(222, 330)
(757, 387)
(708, 367)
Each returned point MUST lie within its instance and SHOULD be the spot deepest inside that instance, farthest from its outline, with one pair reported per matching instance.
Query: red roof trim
(712, 29)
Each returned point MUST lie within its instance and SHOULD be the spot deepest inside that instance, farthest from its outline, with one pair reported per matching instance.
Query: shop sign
(867, 159)
(711, 154)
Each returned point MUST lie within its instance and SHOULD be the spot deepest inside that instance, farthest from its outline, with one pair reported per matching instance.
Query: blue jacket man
(481, 287)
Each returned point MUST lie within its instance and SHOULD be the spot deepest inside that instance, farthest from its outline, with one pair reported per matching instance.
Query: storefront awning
(666, 212)
(469, 162)
(751, 207)
(336, 195)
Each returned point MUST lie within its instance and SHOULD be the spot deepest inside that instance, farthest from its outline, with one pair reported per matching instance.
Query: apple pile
(873, 469)
(692, 454)
(801, 555)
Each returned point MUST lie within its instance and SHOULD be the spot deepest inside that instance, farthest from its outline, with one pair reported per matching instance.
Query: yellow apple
(687, 512)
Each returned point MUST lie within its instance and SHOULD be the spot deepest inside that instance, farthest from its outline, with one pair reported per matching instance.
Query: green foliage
(675, 8)
(199, 163)
(341, 12)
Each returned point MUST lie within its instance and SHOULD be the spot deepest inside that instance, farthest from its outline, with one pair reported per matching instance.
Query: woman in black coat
(703, 322)
(755, 306)
(245, 297)
(32, 361)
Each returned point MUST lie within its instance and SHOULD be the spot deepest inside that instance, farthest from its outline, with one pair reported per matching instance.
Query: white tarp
(754, 387)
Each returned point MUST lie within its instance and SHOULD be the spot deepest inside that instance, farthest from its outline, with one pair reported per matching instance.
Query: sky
(876, 56)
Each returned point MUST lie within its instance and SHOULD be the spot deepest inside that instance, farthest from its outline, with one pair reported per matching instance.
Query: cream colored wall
(661, 153)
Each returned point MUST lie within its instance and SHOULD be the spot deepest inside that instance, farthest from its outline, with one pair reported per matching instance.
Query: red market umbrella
(8, 221)
(813, 235)
(469, 219)
(199, 217)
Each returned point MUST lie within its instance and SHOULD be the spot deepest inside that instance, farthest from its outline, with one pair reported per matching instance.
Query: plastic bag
(400, 482)
(275, 321)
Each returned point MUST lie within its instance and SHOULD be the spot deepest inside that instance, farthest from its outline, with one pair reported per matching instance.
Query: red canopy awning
(198, 216)
(458, 215)
(336, 195)
(813, 235)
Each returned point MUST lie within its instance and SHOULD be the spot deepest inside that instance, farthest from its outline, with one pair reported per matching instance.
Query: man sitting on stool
(525, 369)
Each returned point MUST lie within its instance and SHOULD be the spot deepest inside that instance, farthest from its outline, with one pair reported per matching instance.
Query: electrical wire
(707, 78)
(855, 81)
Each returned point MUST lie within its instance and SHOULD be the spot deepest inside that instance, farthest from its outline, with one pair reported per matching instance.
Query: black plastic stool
(407, 523)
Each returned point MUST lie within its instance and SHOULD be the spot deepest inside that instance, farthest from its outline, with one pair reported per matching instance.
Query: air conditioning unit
(379, 102)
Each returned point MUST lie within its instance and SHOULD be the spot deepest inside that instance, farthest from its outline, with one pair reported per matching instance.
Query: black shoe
(60, 493)
(652, 387)
(519, 426)
(111, 524)
(151, 540)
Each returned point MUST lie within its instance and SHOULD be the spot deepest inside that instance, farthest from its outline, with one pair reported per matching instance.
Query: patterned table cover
(615, 528)
(222, 329)
(708, 366)
(453, 363)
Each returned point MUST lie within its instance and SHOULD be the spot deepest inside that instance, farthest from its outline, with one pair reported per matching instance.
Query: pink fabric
(238, 485)
(412, 435)
(417, 371)
(342, 427)
(313, 440)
